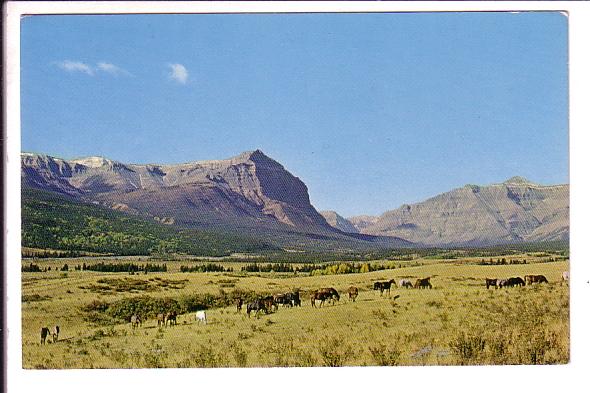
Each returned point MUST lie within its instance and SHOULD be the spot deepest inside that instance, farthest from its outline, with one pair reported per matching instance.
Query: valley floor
(456, 322)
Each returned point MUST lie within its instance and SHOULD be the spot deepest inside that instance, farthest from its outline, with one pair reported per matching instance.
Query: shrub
(385, 356)
(334, 353)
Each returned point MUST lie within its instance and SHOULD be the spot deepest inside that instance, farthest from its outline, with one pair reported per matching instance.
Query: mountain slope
(339, 222)
(249, 193)
(56, 221)
(514, 211)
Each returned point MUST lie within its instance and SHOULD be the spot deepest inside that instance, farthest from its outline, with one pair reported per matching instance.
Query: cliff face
(514, 211)
(248, 187)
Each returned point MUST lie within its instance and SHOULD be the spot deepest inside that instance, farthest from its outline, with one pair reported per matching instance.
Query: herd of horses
(270, 303)
(519, 282)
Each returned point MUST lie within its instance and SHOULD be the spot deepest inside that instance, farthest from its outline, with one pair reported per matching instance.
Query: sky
(370, 111)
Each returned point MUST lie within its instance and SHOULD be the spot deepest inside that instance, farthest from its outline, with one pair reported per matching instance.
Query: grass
(458, 322)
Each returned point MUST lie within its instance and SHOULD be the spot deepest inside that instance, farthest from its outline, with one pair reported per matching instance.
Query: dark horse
(239, 303)
(514, 282)
(170, 318)
(257, 305)
(491, 282)
(423, 283)
(384, 286)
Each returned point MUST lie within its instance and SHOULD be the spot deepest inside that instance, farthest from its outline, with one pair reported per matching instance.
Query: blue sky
(370, 110)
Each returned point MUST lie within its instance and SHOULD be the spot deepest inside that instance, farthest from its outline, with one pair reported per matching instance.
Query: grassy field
(456, 322)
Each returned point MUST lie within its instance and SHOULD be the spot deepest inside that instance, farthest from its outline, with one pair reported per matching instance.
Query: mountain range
(250, 194)
(254, 194)
(514, 211)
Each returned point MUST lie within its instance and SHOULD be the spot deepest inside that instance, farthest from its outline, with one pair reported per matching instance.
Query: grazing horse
(502, 283)
(406, 283)
(353, 292)
(135, 321)
(383, 286)
(201, 316)
(324, 294)
(491, 282)
(514, 281)
(293, 297)
(44, 334)
(161, 318)
(239, 303)
(282, 298)
(269, 303)
(170, 318)
(257, 305)
(54, 333)
(531, 279)
(423, 283)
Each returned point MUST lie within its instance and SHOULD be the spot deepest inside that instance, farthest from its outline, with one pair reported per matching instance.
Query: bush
(334, 353)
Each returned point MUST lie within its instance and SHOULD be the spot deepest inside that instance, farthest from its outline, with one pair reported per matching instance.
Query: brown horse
(324, 294)
(353, 292)
(491, 282)
(423, 283)
(532, 279)
(383, 286)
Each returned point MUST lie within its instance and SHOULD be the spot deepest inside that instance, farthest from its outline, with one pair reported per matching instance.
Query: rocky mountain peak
(519, 180)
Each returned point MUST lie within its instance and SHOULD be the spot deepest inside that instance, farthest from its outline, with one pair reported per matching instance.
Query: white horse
(201, 316)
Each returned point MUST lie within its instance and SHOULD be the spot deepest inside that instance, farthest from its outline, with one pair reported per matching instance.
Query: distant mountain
(339, 222)
(516, 210)
(362, 222)
(250, 193)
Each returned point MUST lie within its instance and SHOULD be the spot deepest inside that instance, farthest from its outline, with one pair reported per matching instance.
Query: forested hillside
(54, 221)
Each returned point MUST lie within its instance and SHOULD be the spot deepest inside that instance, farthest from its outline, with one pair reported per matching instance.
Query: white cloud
(75, 66)
(178, 72)
(112, 69)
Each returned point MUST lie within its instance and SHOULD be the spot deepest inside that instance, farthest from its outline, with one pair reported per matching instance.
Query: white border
(481, 379)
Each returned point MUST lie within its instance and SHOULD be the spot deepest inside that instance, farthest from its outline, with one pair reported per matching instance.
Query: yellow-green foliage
(456, 322)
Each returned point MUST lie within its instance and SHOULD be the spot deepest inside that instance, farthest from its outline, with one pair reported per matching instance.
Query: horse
(201, 316)
(531, 279)
(54, 333)
(324, 294)
(423, 283)
(383, 286)
(565, 276)
(353, 292)
(293, 297)
(269, 303)
(135, 321)
(257, 305)
(282, 298)
(514, 281)
(44, 334)
(406, 283)
(170, 318)
(161, 318)
(239, 303)
(491, 282)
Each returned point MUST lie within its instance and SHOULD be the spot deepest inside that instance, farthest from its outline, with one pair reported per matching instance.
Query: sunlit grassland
(456, 322)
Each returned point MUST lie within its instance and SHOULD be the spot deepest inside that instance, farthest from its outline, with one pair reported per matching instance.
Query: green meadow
(457, 322)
